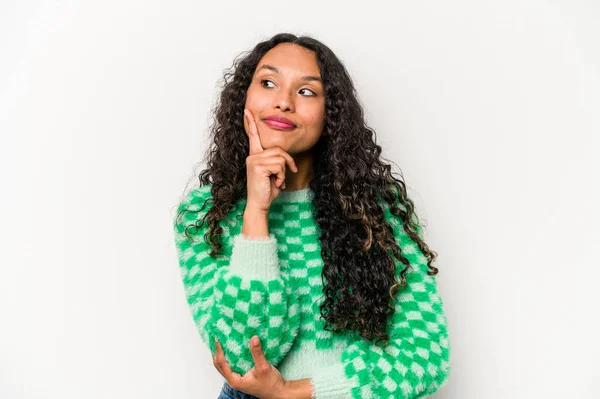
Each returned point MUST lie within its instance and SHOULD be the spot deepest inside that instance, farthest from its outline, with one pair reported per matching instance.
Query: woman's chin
(270, 142)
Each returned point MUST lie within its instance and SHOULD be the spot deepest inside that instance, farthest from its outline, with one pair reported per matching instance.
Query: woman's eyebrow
(305, 78)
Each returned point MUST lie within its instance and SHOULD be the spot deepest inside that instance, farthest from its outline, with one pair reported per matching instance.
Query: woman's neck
(301, 179)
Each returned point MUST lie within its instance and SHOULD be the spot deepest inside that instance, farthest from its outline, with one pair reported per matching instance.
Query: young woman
(301, 239)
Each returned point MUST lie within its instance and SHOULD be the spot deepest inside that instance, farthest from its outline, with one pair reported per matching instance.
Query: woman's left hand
(263, 380)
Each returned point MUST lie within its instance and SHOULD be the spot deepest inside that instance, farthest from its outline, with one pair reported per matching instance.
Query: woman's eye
(310, 91)
(265, 83)
(262, 82)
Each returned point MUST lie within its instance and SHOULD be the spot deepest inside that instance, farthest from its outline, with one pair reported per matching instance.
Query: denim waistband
(237, 394)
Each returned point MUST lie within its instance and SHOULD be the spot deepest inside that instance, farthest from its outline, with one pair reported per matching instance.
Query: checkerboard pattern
(228, 306)
(416, 362)
(233, 303)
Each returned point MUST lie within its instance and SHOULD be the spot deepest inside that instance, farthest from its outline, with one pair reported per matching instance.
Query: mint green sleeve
(235, 297)
(416, 362)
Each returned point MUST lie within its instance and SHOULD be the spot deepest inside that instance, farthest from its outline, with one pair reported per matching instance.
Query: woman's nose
(284, 101)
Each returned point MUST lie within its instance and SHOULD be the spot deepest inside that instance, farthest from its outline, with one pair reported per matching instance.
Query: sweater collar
(303, 195)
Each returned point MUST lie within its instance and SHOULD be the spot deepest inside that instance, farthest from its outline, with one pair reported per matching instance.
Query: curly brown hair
(349, 181)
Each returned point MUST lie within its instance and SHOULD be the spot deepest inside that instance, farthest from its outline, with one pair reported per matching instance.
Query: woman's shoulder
(398, 222)
(196, 196)
(192, 205)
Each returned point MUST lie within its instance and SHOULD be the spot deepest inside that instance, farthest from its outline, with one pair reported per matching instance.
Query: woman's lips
(279, 125)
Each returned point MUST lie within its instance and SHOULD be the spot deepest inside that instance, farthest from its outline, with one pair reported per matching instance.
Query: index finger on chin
(252, 131)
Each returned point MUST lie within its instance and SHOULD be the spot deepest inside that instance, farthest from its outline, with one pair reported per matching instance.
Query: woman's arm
(239, 294)
(256, 224)
(298, 389)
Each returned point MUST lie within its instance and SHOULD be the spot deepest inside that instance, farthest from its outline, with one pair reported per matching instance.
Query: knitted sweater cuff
(255, 258)
(331, 382)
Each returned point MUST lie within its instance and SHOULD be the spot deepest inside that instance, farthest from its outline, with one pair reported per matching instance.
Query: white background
(489, 108)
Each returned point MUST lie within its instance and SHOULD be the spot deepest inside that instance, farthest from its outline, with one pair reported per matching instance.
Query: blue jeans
(229, 393)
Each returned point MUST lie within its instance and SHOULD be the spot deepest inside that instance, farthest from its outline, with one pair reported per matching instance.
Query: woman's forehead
(288, 58)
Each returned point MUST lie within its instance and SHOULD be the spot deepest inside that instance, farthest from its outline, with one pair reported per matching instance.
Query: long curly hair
(358, 244)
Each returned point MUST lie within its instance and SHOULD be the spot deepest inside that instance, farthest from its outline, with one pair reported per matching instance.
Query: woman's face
(286, 83)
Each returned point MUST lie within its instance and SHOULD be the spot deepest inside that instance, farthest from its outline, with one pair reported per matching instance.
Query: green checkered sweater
(272, 287)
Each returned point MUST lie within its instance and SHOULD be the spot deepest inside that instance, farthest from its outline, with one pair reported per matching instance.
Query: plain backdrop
(490, 109)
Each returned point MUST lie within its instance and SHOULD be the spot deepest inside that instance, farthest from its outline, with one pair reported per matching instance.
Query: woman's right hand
(265, 169)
